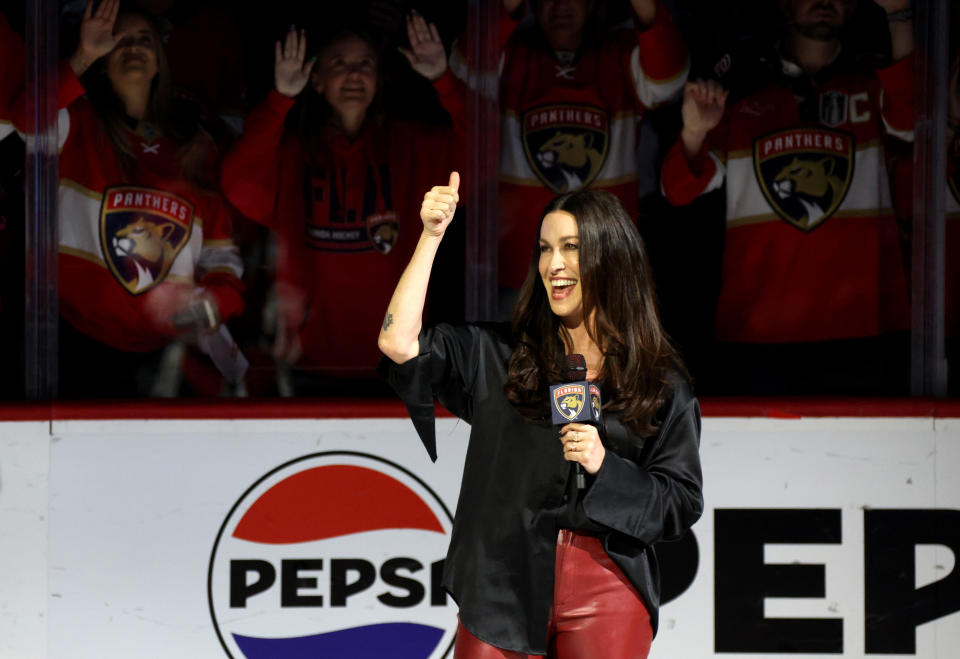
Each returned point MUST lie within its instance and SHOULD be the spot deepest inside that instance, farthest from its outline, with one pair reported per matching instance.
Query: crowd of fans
(239, 187)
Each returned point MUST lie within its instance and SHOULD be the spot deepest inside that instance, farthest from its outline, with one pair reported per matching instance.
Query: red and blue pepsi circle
(336, 554)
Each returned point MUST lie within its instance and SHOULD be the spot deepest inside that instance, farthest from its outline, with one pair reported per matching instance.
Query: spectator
(341, 190)
(814, 296)
(144, 238)
(571, 96)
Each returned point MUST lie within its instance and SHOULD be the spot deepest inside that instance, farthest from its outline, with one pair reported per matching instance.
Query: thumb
(454, 180)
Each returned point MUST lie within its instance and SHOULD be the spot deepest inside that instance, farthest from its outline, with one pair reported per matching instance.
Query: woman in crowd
(145, 241)
(334, 187)
(531, 550)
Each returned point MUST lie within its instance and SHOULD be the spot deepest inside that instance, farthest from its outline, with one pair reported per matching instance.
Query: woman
(530, 551)
(145, 241)
(333, 187)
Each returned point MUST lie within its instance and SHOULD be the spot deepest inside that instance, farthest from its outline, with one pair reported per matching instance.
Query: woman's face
(346, 75)
(560, 266)
(135, 56)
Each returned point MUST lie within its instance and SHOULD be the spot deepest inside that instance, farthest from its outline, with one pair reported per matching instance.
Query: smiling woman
(588, 291)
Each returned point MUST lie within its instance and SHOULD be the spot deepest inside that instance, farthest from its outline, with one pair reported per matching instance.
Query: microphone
(576, 401)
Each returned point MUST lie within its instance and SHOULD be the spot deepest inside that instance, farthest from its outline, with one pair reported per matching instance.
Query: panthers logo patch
(805, 173)
(595, 405)
(569, 400)
(141, 232)
(566, 145)
(384, 230)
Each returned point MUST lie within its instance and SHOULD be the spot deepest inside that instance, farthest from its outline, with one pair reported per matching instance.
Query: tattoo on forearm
(387, 322)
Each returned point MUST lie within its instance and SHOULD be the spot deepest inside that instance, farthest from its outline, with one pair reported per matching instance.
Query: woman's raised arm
(399, 335)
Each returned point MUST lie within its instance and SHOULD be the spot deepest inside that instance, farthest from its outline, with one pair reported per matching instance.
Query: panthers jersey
(346, 219)
(134, 248)
(811, 250)
(572, 122)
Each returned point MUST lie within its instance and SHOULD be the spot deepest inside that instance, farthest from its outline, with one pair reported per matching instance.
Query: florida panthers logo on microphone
(595, 405)
(334, 554)
(569, 400)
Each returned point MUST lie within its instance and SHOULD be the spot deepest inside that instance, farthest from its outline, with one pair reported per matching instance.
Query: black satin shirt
(517, 489)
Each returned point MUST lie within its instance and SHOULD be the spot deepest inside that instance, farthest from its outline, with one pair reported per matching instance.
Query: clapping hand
(96, 35)
(290, 73)
(439, 206)
(426, 55)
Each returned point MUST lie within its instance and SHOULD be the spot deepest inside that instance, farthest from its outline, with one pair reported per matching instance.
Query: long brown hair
(618, 295)
(196, 147)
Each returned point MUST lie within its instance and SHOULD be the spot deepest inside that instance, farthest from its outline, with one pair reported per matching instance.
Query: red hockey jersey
(569, 125)
(811, 250)
(347, 220)
(134, 249)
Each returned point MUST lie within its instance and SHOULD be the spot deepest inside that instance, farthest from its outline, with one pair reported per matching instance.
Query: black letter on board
(894, 607)
(291, 582)
(743, 580)
(240, 590)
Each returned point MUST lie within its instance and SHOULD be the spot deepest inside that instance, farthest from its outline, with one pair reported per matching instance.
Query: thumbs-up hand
(439, 206)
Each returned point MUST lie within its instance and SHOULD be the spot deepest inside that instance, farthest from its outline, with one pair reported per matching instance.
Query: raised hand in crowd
(290, 72)
(703, 105)
(901, 26)
(426, 54)
(97, 37)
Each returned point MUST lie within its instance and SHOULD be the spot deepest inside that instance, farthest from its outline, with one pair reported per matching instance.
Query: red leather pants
(596, 610)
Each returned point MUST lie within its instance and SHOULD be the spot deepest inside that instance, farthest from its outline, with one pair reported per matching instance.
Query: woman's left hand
(581, 443)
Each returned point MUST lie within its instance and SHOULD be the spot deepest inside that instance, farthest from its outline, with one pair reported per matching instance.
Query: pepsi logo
(336, 554)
